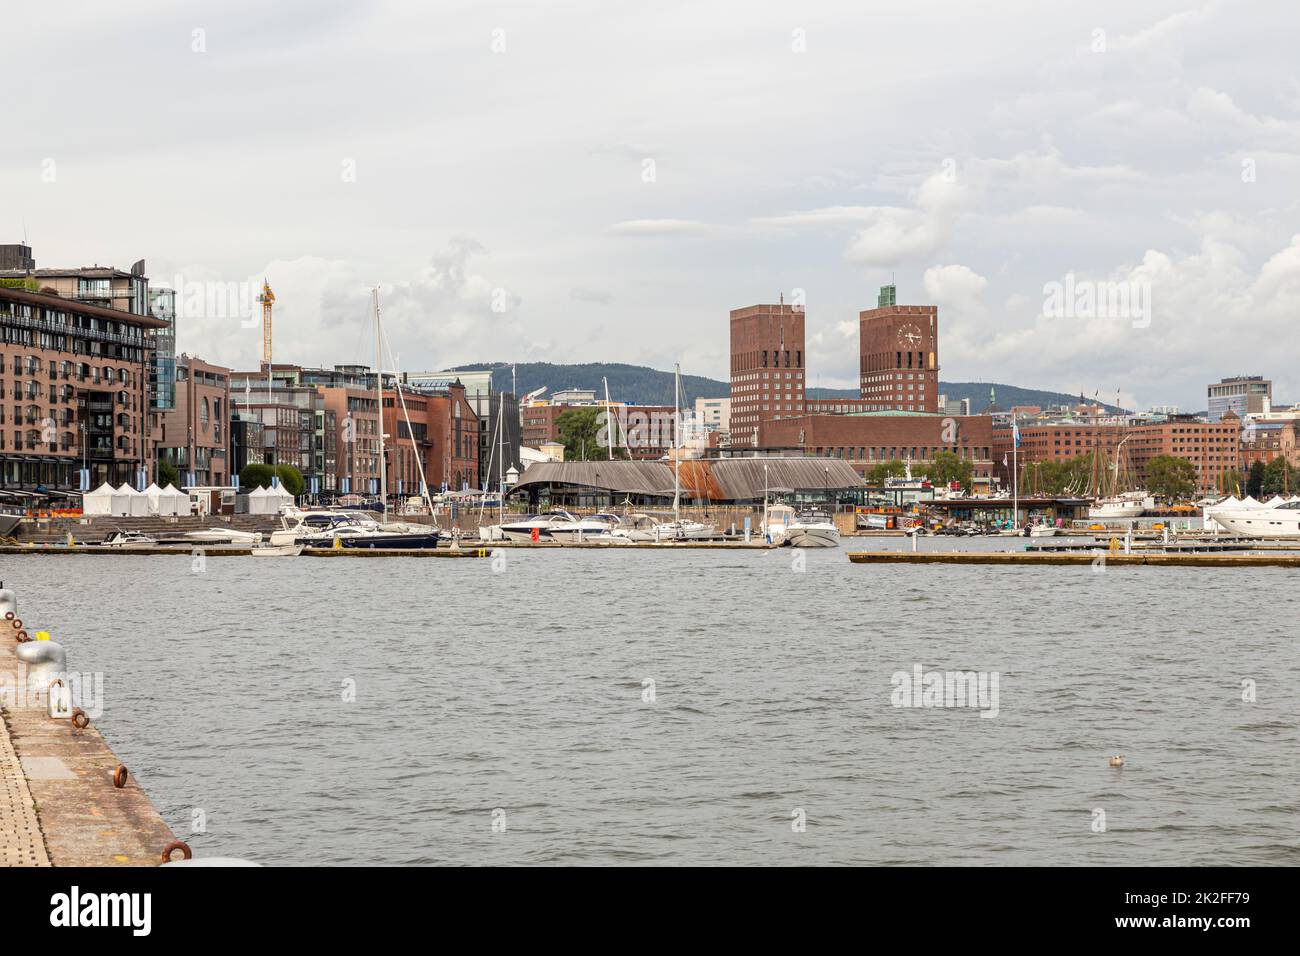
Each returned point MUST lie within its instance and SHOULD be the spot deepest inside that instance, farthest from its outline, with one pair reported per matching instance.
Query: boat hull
(813, 537)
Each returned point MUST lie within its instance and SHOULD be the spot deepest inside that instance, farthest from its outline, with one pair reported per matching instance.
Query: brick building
(1211, 446)
(767, 368)
(867, 439)
(194, 434)
(74, 389)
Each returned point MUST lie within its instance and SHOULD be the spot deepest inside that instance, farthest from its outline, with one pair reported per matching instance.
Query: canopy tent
(263, 501)
(152, 493)
(140, 504)
(122, 496)
(99, 501)
(280, 492)
(173, 501)
(1249, 502)
(1275, 501)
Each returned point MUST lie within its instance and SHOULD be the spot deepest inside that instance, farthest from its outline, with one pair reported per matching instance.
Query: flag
(1015, 433)
(1004, 461)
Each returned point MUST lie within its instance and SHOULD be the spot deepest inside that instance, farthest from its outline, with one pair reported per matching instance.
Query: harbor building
(767, 368)
(282, 422)
(74, 391)
(194, 433)
(1267, 440)
(714, 414)
(450, 442)
(1242, 395)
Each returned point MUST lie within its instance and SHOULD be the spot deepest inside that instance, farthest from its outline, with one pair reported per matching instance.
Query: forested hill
(640, 385)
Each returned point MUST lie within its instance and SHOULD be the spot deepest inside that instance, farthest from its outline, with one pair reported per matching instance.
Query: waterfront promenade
(59, 804)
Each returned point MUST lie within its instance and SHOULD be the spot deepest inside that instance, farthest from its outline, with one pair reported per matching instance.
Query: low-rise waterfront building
(194, 434)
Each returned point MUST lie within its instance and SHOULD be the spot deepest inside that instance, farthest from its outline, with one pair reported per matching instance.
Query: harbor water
(711, 707)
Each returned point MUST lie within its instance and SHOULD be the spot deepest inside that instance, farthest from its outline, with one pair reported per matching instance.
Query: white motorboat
(813, 529)
(1261, 521)
(276, 550)
(1041, 530)
(685, 530)
(584, 529)
(128, 539)
(636, 529)
(522, 530)
(776, 523)
(1127, 504)
(220, 536)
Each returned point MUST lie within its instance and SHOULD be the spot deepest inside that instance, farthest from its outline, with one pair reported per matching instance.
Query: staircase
(95, 529)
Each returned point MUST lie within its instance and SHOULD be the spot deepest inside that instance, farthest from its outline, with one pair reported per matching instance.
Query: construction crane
(267, 298)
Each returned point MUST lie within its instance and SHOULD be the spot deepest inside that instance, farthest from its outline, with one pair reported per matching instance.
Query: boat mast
(677, 430)
(608, 420)
(379, 401)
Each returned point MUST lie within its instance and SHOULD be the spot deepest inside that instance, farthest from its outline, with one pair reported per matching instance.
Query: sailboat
(1110, 501)
(679, 529)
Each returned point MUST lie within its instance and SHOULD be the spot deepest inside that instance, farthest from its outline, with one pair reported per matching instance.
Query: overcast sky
(583, 181)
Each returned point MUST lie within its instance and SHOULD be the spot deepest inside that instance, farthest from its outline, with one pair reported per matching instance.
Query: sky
(1100, 198)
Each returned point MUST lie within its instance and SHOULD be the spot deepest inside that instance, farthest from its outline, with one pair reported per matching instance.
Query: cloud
(661, 227)
(583, 294)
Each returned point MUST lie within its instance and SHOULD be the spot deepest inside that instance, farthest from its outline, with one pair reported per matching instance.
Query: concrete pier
(58, 802)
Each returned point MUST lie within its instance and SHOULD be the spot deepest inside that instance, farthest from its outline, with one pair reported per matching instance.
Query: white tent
(263, 501)
(1275, 501)
(122, 500)
(283, 496)
(99, 501)
(173, 501)
(1248, 502)
(139, 504)
(152, 493)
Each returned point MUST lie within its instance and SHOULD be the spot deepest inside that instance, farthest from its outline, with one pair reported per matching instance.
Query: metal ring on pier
(10, 615)
(80, 719)
(186, 852)
(17, 623)
(57, 681)
(23, 637)
(119, 776)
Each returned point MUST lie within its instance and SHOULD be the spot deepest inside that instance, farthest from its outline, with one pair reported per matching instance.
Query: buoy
(1117, 760)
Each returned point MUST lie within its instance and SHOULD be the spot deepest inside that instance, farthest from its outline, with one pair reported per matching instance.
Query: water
(520, 689)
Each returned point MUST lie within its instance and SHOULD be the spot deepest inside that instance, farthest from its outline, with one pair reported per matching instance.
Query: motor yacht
(522, 530)
(585, 529)
(1261, 521)
(813, 529)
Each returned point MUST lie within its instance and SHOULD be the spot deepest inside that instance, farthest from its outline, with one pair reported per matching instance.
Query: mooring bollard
(60, 702)
(45, 660)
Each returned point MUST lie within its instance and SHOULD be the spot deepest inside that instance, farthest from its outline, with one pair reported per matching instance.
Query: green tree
(291, 478)
(1279, 479)
(1255, 479)
(949, 467)
(580, 430)
(256, 475)
(886, 469)
(167, 474)
(1170, 477)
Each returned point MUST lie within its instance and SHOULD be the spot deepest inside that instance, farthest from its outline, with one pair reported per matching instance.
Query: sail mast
(677, 428)
(379, 400)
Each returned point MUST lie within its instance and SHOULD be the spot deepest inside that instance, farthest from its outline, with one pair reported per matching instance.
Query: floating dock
(1098, 556)
(59, 802)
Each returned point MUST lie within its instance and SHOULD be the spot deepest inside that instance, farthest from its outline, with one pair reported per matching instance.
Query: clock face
(909, 336)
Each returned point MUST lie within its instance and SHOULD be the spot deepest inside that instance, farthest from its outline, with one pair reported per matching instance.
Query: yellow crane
(267, 298)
